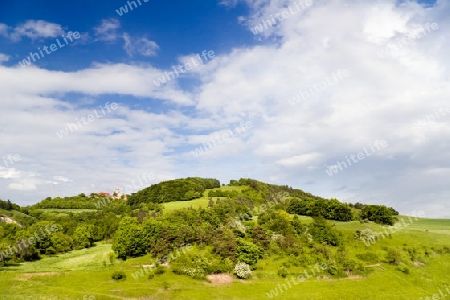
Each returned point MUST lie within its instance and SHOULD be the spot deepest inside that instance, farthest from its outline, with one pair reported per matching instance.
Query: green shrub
(151, 275)
(379, 214)
(403, 268)
(283, 272)
(160, 270)
(119, 275)
(50, 251)
(393, 256)
(248, 252)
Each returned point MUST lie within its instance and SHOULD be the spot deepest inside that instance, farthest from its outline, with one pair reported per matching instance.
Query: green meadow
(88, 272)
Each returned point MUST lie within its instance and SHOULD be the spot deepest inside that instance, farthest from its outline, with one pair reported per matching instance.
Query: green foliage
(224, 243)
(83, 237)
(393, 256)
(160, 270)
(277, 221)
(260, 237)
(403, 268)
(129, 239)
(322, 232)
(283, 272)
(119, 275)
(248, 252)
(379, 214)
(328, 209)
(174, 190)
(112, 257)
(75, 202)
(61, 242)
(8, 205)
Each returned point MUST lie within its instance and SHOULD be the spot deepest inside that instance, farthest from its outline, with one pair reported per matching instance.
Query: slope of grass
(88, 272)
(64, 210)
(384, 283)
(199, 202)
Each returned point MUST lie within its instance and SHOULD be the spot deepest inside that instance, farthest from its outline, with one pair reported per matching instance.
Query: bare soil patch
(220, 279)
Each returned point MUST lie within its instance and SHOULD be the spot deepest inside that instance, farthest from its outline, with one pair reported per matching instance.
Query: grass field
(65, 211)
(199, 202)
(88, 272)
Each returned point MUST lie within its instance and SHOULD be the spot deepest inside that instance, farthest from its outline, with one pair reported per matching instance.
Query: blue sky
(328, 81)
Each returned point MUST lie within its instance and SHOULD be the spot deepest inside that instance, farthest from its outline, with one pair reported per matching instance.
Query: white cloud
(9, 173)
(34, 29)
(107, 30)
(381, 99)
(305, 159)
(61, 178)
(22, 186)
(4, 30)
(142, 46)
(109, 79)
(3, 58)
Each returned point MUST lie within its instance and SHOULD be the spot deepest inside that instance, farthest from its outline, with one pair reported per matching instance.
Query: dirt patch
(419, 264)
(375, 265)
(26, 276)
(220, 279)
(355, 277)
(9, 221)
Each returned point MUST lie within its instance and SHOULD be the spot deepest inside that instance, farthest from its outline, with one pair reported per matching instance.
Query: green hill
(244, 240)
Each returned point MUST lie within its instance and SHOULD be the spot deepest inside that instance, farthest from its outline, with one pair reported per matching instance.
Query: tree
(248, 252)
(322, 232)
(83, 237)
(224, 243)
(379, 214)
(129, 240)
(61, 243)
(261, 237)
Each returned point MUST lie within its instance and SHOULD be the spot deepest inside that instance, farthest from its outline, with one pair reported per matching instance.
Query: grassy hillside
(65, 276)
(199, 202)
(404, 262)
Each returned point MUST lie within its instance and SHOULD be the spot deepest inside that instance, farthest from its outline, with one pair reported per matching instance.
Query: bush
(248, 252)
(322, 232)
(242, 270)
(160, 270)
(403, 268)
(365, 235)
(379, 214)
(196, 273)
(119, 275)
(151, 275)
(218, 267)
(50, 251)
(283, 272)
(393, 256)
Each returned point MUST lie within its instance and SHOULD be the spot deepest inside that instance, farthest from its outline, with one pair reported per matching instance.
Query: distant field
(199, 202)
(433, 225)
(66, 211)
